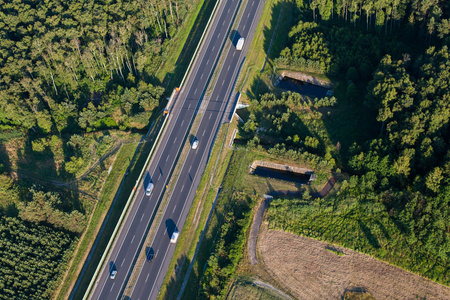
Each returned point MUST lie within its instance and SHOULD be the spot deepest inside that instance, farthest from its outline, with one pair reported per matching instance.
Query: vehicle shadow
(234, 37)
(147, 179)
(170, 227)
(112, 267)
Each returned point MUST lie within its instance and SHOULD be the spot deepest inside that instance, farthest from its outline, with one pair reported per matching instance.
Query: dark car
(150, 255)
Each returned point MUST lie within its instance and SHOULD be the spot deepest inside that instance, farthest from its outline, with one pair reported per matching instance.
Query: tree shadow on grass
(176, 281)
(173, 79)
(41, 168)
(373, 241)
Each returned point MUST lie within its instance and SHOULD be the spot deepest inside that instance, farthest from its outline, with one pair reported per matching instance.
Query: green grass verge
(104, 204)
(260, 46)
(184, 44)
(196, 219)
(232, 178)
(111, 185)
(246, 289)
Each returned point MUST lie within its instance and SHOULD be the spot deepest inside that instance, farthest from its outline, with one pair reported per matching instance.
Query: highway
(152, 273)
(128, 243)
(130, 239)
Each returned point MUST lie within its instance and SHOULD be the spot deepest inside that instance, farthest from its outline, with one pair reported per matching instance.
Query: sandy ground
(306, 269)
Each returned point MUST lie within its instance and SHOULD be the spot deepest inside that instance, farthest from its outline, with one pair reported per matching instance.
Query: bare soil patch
(307, 270)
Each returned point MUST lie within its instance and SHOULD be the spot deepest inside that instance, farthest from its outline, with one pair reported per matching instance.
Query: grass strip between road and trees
(196, 219)
(260, 44)
(111, 185)
(176, 64)
(123, 161)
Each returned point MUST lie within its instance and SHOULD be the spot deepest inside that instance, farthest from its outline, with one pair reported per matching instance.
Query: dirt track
(307, 270)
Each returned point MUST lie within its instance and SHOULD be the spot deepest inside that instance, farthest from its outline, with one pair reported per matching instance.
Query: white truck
(240, 43)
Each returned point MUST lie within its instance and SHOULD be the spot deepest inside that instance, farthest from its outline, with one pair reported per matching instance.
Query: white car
(149, 189)
(174, 237)
(113, 274)
(195, 144)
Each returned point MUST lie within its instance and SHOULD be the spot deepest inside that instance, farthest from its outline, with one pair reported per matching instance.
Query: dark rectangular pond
(303, 88)
(282, 175)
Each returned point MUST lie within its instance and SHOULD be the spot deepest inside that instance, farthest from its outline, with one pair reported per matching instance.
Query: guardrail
(161, 131)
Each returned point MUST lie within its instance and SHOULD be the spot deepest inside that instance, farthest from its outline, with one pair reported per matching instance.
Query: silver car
(195, 144)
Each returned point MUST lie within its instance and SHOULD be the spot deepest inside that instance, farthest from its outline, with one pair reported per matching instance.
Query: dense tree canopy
(32, 258)
(57, 57)
(390, 58)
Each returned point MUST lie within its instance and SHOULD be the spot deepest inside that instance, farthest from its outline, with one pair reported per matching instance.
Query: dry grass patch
(250, 291)
(307, 270)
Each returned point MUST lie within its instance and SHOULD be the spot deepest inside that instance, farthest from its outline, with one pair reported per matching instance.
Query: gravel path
(254, 232)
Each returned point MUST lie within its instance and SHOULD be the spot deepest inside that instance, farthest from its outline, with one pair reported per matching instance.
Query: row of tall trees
(387, 14)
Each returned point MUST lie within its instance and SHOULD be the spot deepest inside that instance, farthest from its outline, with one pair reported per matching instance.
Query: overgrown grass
(196, 219)
(205, 249)
(355, 218)
(108, 193)
(260, 46)
(184, 44)
(332, 250)
(246, 289)
(104, 202)
(358, 296)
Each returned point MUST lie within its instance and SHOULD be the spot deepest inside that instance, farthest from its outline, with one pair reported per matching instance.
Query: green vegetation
(33, 257)
(285, 123)
(87, 68)
(110, 187)
(337, 252)
(228, 246)
(230, 236)
(76, 78)
(246, 289)
(396, 204)
(357, 296)
(386, 128)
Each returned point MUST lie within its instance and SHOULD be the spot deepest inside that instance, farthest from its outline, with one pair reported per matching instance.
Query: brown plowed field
(307, 270)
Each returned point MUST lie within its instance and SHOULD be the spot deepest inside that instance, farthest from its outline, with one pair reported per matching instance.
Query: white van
(149, 189)
(240, 43)
(174, 237)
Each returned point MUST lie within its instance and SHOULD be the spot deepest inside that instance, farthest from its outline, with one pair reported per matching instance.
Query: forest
(387, 129)
(32, 258)
(72, 66)
(78, 78)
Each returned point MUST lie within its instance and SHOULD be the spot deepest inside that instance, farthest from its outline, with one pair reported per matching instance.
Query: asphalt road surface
(130, 240)
(152, 273)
